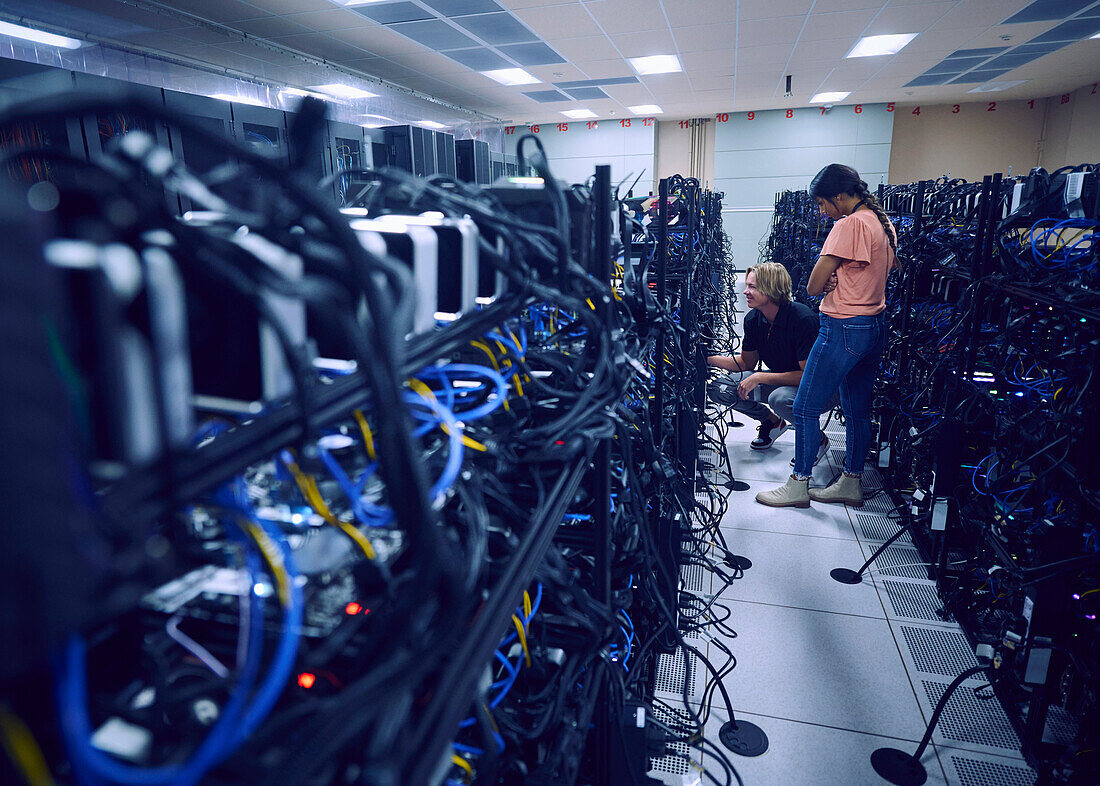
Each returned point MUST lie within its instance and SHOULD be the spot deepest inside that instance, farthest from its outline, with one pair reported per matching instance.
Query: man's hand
(748, 384)
(719, 361)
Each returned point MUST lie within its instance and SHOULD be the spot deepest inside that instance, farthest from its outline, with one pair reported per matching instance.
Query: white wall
(757, 154)
(574, 149)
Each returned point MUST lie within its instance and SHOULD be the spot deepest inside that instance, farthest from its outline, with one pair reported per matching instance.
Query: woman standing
(857, 257)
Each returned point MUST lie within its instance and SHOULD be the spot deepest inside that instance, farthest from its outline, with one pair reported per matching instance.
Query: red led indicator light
(306, 680)
(352, 609)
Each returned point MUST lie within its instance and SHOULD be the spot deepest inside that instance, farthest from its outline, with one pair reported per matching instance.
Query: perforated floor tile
(970, 719)
(913, 600)
(969, 771)
(877, 527)
(901, 561)
(937, 651)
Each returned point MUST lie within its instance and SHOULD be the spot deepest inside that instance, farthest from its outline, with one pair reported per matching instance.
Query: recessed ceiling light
(829, 98)
(357, 2)
(875, 45)
(344, 91)
(1095, 36)
(297, 91)
(511, 76)
(380, 117)
(430, 124)
(996, 87)
(646, 109)
(38, 36)
(579, 114)
(238, 99)
(657, 64)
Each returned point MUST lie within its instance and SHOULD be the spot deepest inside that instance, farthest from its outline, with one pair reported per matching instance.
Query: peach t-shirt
(860, 241)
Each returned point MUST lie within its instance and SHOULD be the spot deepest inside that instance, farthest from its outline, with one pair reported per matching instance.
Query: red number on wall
(916, 110)
(822, 110)
(1065, 98)
(685, 124)
(890, 107)
(992, 107)
(751, 115)
(722, 117)
(1094, 84)
(625, 123)
(1031, 104)
(790, 113)
(859, 109)
(591, 124)
(955, 109)
(648, 121)
(563, 126)
(535, 129)
(509, 130)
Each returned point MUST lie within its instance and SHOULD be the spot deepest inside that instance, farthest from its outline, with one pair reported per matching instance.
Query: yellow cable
(23, 750)
(308, 486)
(368, 437)
(522, 639)
(458, 761)
(273, 556)
(426, 392)
(527, 605)
(508, 360)
(492, 359)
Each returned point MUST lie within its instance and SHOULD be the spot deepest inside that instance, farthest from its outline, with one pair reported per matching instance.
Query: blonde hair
(773, 281)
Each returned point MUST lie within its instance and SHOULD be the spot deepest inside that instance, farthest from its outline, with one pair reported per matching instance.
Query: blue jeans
(846, 355)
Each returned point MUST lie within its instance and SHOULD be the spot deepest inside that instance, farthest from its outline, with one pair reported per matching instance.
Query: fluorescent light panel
(657, 64)
(430, 124)
(344, 91)
(511, 76)
(829, 98)
(875, 45)
(238, 99)
(646, 109)
(579, 114)
(38, 36)
(1095, 36)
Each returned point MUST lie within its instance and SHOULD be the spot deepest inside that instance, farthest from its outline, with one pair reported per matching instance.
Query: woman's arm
(819, 276)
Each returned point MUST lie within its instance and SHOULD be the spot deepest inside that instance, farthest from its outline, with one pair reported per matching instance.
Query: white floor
(832, 672)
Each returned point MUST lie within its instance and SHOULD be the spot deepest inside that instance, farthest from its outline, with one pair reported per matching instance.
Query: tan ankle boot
(846, 491)
(792, 494)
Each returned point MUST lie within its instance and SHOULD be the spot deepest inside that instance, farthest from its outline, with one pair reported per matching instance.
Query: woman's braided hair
(836, 179)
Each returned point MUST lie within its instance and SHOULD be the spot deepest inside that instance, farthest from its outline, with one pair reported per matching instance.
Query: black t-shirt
(783, 343)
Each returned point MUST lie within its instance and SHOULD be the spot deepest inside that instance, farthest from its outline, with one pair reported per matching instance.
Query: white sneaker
(822, 449)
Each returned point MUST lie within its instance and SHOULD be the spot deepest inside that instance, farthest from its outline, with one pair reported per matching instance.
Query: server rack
(473, 162)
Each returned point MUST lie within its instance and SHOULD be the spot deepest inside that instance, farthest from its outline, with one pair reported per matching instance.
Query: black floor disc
(737, 562)
(743, 738)
(737, 485)
(898, 767)
(845, 576)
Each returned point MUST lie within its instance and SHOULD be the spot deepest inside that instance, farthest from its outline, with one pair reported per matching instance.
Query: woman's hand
(830, 285)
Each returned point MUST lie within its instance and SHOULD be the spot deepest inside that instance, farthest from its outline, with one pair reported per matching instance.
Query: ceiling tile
(204, 35)
(462, 7)
(907, 19)
(497, 28)
(586, 93)
(221, 10)
(646, 43)
(590, 47)
(628, 16)
(924, 81)
(566, 21)
(532, 54)
(716, 63)
(388, 13)
(429, 63)
(557, 72)
(280, 7)
(700, 38)
(547, 96)
(772, 9)
(331, 19)
(822, 27)
(1073, 30)
(1048, 10)
(377, 40)
(782, 31)
(322, 45)
(271, 27)
(984, 52)
(478, 59)
(762, 55)
(974, 77)
(434, 34)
